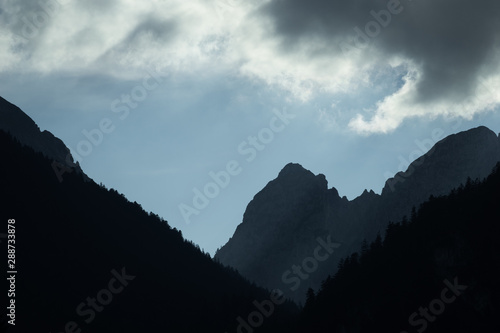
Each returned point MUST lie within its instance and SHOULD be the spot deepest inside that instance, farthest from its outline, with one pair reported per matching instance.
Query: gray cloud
(152, 28)
(452, 41)
(433, 51)
(29, 21)
(130, 50)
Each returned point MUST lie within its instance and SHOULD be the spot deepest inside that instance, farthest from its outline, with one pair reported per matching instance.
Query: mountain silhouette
(88, 259)
(284, 223)
(433, 272)
(14, 121)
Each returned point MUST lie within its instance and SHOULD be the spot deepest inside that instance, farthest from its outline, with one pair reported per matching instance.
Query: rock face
(14, 121)
(276, 245)
(287, 212)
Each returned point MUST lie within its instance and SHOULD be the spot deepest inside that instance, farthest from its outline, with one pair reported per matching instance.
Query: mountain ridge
(320, 211)
(15, 121)
(73, 236)
(449, 245)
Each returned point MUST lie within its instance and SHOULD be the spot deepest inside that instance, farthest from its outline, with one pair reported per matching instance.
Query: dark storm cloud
(453, 41)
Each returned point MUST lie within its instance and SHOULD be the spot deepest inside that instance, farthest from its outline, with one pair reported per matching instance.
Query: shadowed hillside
(78, 242)
(433, 272)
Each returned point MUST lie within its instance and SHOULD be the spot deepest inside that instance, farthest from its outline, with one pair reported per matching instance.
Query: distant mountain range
(286, 221)
(90, 260)
(434, 272)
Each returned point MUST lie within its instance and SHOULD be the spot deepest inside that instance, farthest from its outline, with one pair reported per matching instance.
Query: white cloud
(121, 38)
(395, 108)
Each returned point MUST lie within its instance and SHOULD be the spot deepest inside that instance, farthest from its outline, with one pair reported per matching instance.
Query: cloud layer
(443, 55)
(450, 50)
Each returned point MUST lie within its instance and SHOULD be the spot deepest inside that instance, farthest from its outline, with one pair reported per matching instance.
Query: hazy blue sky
(350, 89)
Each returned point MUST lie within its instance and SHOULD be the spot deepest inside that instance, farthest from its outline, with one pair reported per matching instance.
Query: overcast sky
(180, 90)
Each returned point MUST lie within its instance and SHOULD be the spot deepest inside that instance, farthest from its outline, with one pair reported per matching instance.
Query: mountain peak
(282, 222)
(477, 133)
(296, 173)
(14, 121)
(293, 169)
(472, 153)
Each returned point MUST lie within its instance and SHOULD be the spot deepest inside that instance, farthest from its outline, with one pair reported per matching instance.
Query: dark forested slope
(89, 259)
(436, 271)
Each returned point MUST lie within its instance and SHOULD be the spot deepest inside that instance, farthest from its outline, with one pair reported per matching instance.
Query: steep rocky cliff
(295, 213)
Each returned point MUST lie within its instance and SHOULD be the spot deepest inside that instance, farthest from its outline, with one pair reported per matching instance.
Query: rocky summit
(276, 245)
